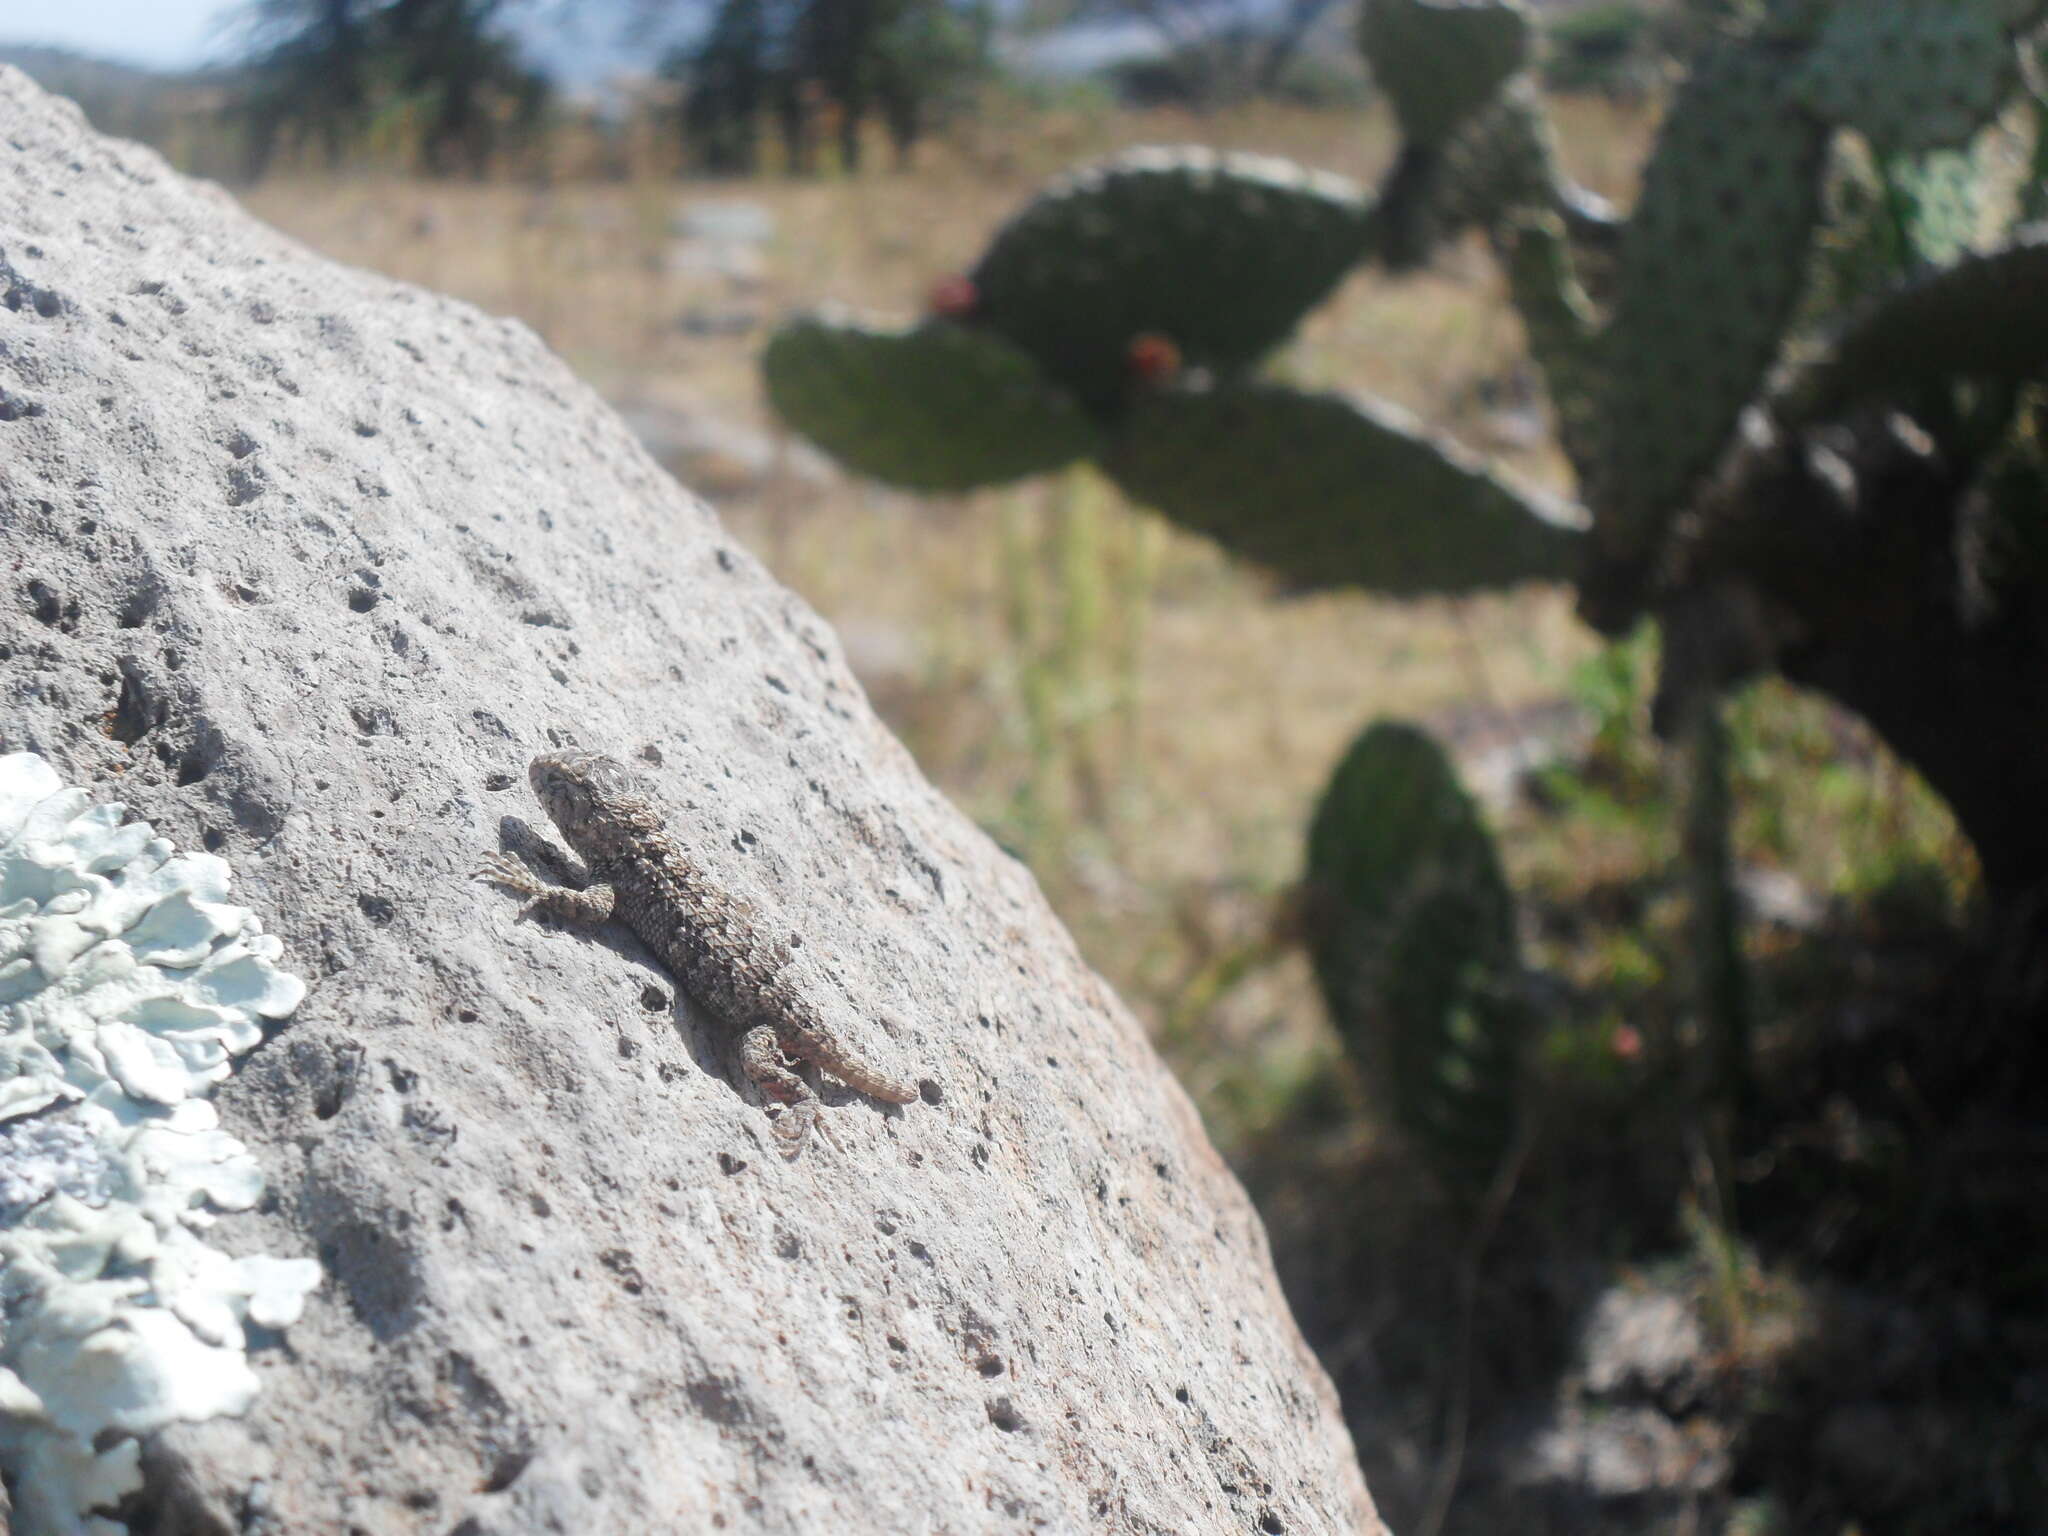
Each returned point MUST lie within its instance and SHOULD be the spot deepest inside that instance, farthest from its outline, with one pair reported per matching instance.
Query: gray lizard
(716, 944)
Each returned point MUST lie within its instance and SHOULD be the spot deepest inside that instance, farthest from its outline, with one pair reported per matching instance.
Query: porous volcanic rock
(304, 564)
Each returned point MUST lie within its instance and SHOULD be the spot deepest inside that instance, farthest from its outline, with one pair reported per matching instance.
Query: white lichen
(128, 985)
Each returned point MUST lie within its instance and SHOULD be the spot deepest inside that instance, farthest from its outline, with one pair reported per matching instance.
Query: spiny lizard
(717, 944)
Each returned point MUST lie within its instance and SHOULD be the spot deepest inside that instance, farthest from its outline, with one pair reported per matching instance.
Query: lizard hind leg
(761, 1060)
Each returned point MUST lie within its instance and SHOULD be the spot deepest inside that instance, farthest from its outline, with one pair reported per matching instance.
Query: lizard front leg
(761, 1060)
(591, 905)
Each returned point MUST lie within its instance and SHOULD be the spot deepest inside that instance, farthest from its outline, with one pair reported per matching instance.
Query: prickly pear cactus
(1558, 318)
(1712, 265)
(1120, 313)
(1412, 932)
(1221, 254)
(1502, 164)
(2033, 193)
(1782, 20)
(2004, 547)
(935, 408)
(1330, 492)
(1442, 61)
(1457, 1029)
(1913, 75)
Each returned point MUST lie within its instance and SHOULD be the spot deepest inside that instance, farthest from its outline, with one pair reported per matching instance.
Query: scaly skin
(717, 944)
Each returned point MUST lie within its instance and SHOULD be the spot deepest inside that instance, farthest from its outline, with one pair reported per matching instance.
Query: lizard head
(600, 805)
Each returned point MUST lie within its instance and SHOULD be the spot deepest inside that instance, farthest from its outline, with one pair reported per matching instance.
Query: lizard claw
(503, 869)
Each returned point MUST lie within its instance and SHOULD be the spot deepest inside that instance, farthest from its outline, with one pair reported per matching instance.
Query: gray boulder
(304, 565)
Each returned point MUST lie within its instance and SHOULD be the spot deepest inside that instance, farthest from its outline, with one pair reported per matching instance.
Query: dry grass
(1144, 721)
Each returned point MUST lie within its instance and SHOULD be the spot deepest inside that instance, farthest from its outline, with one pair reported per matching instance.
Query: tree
(466, 79)
(730, 76)
(1217, 50)
(912, 62)
(929, 56)
(326, 70)
(310, 78)
(835, 48)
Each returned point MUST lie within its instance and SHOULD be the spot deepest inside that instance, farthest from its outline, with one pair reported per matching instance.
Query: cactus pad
(1711, 267)
(1557, 317)
(1985, 317)
(1412, 933)
(935, 408)
(1329, 492)
(1912, 75)
(1500, 166)
(1795, 20)
(1220, 254)
(1505, 162)
(1440, 62)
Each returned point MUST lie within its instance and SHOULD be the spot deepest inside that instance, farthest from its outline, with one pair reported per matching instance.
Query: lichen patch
(128, 986)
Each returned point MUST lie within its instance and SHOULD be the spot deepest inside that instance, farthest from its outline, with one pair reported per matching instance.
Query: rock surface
(304, 565)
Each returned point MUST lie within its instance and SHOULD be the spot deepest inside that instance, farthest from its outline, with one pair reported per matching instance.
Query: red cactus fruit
(955, 297)
(1152, 358)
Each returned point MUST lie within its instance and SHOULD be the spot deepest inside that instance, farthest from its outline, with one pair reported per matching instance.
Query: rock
(721, 238)
(730, 221)
(304, 565)
(1502, 752)
(1644, 1342)
(1778, 897)
(1630, 1440)
(708, 321)
(741, 267)
(1627, 1453)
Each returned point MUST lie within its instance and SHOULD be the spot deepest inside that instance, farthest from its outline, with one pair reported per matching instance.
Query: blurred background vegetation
(1854, 1337)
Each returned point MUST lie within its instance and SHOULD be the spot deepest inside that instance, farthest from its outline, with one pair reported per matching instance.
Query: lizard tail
(856, 1073)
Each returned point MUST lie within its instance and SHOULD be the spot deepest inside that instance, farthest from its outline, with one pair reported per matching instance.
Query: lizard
(716, 943)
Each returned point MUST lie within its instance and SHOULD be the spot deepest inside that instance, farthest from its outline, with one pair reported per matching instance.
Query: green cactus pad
(1221, 254)
(1412, 933)
(1329, 492)
(1500, 166)
(1442, 61)
(2006, 540)
(1985, 317)
(1557, 317)
(1796, 20)
(937, 407)
(1505, 163)
(2033, 193)
(1711, 266)
(1913, 75)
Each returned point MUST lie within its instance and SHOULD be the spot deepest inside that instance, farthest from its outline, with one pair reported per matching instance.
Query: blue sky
(165, 34)
(578, 40)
